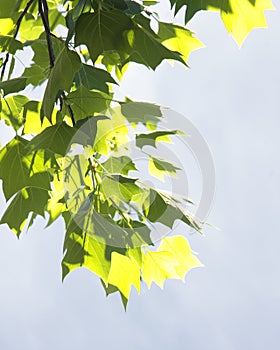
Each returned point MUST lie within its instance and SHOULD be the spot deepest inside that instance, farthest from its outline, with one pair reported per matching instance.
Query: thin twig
(70, 110)
(18, 23)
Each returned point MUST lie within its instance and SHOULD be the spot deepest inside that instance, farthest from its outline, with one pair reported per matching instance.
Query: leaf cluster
(70, 157)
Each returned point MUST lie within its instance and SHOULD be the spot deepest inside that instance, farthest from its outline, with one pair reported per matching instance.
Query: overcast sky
(232, 97)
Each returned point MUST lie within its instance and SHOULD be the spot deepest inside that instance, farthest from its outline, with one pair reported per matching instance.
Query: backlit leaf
(61, 78)
(94, 78)
(177, 38)
(95, 31)
(151, 139)
(13, 85)
(239, 16)
(124, 273)
(19, 168)
(141, 112)
(157, 267)
(160, 167)
(119, 165)
(85, 103)
(12, 110)
(182, 253)
(30, 199)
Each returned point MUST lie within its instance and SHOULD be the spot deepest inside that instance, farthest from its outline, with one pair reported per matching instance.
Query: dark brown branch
(44, 13)
(18, 23)
(70, 110)
(71, 114)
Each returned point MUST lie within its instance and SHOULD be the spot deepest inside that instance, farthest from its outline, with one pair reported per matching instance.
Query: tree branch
(44, 13)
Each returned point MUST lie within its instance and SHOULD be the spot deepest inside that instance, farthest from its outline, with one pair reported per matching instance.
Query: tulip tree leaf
(142, 112)
(85, 103)
(83, 250)
(94, 78)
(124, 273)
(61, 78)
(78, 143)
(173, 259)
(7, 9)
(239, 17)
(177, 38)
(157, 267)
(94, 30)
(12, 110)
(145, 48)
(183, 255)
(160, 167)
(151, 139)
(10, 44)
(158, 207)
(31, 115)
(27, 200)
(55, 139)
(119, 165)
(19, 168)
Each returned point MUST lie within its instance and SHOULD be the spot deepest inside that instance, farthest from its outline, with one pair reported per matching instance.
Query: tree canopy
(70, 156)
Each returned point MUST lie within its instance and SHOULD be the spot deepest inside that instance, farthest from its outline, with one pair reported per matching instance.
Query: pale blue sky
(233, 303)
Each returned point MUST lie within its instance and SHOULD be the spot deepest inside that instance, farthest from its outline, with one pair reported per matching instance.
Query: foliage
(70, 156)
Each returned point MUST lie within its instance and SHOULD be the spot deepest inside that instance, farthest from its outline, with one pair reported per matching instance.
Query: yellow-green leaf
(182, 254)
(159, 167)
(158, 266)
(245, 16)
(124, 273)
(177, 38)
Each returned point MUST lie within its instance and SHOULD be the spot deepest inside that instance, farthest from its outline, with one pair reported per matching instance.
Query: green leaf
(13, 85)
(119, 165)
(39, 71)
(159, 167)
(61, 78)
(141, 112)
(177, 38)
(144, 47)
(120, 188)
(159, 207)
(112, 133)
(152, 138)
(20, 169)
(103, 227)
(84, 205)
(56, 139)
(124, 273)
(138, 235)
(12, 110)
(94, 78)
(133, 8)
(10, 44)
(85, 103)
(56, 204)
(82, 250)
(239, 17)
(30, 199)
(95, 31)
(7, 8)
